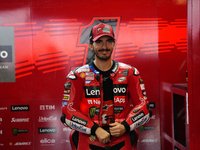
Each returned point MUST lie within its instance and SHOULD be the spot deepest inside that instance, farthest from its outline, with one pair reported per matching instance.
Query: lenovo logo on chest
(92, 92)
(120, 89)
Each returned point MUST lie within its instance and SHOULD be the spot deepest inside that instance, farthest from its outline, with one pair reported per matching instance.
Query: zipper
(101, 99)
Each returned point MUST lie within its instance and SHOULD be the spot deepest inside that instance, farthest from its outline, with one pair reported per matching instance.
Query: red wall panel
(193, 71)
(47, 46)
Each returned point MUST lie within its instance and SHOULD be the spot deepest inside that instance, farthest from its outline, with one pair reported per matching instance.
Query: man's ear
(114, 44)
(91, 46)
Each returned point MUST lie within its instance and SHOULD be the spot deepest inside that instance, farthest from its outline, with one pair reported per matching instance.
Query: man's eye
(109, 41)
(98, 41)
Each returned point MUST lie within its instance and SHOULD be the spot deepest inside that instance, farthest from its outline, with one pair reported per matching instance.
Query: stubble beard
(103, 58)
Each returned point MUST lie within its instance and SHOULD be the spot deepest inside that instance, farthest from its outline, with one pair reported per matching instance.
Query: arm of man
(117, 129)
(102, 135)
(141, 112)
(71, 114)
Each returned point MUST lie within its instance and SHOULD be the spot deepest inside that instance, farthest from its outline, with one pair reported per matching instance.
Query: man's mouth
(104, 50)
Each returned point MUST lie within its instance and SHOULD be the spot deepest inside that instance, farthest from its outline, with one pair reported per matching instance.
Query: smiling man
(106, 100)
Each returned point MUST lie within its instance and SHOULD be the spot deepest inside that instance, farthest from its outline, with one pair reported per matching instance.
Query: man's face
(103, 47)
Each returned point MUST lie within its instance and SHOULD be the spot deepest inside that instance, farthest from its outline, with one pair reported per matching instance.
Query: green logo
(92, 112)
(141, 128)
(16, 131)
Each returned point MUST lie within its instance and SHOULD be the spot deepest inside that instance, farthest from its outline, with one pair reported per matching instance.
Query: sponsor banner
(19, 107)
(67, 129)
(64, 141)
(17, 131)
(153, 117)
(143, 128)
(152, 105)
(150, 140)
(7, 54)
(3, 108)
(19, 119)
(45, 130)
(47, 142)
(47, 107)
(22, 143)
(47, 119)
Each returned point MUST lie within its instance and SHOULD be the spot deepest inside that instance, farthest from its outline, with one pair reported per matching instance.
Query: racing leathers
(83, 106)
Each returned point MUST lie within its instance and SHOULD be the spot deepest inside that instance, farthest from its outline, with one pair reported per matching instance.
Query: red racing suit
(83, 99)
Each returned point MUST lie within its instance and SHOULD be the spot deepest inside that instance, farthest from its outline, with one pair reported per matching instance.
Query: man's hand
(117, 129)
(102, 135)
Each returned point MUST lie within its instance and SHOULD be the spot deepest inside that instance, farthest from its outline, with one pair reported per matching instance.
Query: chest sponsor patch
(121, 79)
(92, 91)
(118, 109)
(89, 76)
(142, 86)
(120, 89)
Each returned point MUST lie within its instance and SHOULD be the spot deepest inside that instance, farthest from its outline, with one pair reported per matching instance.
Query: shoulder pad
(135, 72)
(72, 75)
(84, 68)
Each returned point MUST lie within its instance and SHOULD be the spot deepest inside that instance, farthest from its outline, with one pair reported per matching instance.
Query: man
(98, 98)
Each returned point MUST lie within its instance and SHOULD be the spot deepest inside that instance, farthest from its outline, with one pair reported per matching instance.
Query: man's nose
(104, 45)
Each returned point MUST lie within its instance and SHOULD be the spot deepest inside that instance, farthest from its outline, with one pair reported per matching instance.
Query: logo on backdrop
(17, 131)
(19, 107)
(47, 130)
(7, 54)
(47, 107)
(47, 119)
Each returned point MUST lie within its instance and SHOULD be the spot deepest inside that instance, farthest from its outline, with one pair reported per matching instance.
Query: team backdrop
(41, 41)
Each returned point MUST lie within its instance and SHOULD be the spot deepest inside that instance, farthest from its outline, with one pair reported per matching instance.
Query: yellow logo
(82, 75)
(92, 138)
